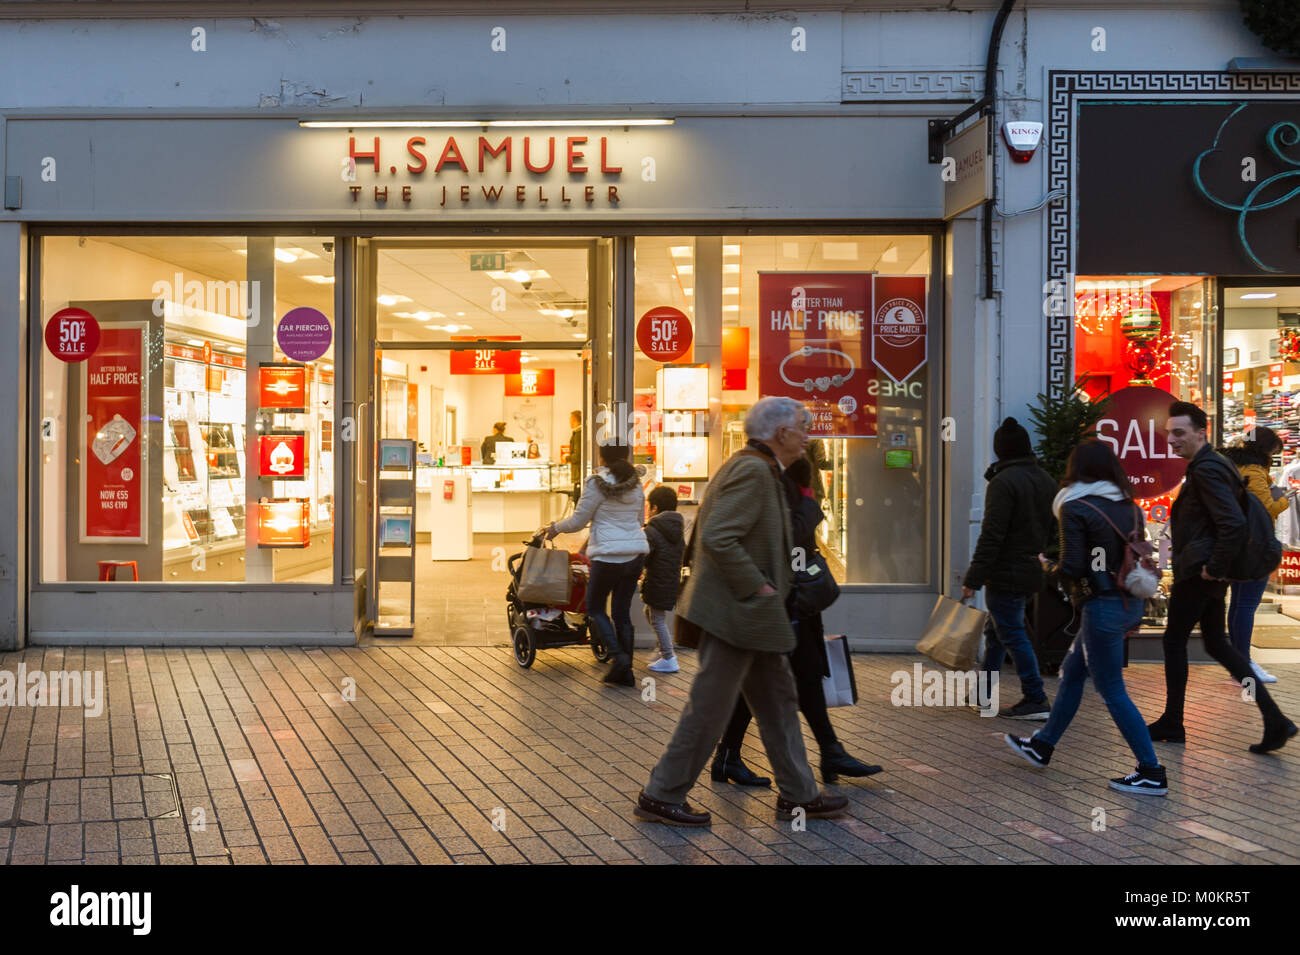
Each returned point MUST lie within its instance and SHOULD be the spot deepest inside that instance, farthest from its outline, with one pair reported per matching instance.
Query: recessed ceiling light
(422, 316)
(731, 268)
(731, 250)
(680, 251)
(284, 255)
(302, 253)
(320, 279)
(578, 334)
(460, 314)
(731, 308)
(194, 341)
(1259, 295)
(731, 290)
(237, 349)
(519, 275)
(685, 269)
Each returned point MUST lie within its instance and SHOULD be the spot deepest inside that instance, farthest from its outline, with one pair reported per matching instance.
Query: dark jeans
(619, 580)
(1245, 600)
(812, 703)
(1197, 601)
(1098, 652)
(1007, 611)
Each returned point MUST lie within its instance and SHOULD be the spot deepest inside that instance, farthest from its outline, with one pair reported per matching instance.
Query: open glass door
(486, 356)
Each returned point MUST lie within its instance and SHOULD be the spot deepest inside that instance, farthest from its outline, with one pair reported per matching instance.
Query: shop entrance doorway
(486, 363)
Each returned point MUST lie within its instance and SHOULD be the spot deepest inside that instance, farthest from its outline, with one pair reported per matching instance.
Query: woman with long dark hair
(1253, 459)
(613, 503)
(1096, 510)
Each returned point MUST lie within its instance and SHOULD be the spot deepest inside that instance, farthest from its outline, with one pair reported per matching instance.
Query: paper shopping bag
(952, 637)
(544, 578)
(841, 688)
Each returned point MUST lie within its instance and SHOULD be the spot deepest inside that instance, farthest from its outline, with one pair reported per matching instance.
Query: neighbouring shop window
(195, 443)
(793, 314)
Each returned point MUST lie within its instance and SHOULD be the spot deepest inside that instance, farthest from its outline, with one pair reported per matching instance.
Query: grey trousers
(768, 686)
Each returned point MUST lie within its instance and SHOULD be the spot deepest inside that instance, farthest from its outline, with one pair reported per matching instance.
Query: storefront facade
(189, 283)
(1178, 274)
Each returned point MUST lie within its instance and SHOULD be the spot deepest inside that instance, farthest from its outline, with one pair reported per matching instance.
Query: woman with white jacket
(613, 503)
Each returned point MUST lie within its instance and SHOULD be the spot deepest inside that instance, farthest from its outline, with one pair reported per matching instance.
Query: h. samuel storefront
(260, 356)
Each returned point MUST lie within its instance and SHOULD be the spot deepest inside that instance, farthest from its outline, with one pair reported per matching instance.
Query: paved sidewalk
(263, 749)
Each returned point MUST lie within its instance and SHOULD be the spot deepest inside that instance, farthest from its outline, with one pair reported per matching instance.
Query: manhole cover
(39, 802)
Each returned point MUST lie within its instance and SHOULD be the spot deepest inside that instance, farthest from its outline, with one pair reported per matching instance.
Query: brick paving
(455, 755)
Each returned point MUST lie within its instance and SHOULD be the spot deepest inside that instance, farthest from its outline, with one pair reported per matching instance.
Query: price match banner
(114, 461)
(813, 333)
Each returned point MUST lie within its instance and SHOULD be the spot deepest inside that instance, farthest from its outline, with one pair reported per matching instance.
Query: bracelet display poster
(814, 345)
(113, 460)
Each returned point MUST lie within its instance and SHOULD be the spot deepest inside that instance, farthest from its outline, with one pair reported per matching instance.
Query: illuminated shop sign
(591, 171)
(282, 387)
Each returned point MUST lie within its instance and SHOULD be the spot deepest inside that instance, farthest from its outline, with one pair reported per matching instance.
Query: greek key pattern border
(933, 86)
(1065, 88)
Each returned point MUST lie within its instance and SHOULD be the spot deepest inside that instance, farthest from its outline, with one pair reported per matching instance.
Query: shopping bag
(544, 577)
(952, 637)
(841, 688)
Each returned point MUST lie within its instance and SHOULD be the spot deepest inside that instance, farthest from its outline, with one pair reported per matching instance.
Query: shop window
(872, 470)
(195, 443)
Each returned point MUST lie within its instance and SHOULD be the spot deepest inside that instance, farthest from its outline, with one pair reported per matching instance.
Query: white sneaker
(1261, 674)
(668, 665)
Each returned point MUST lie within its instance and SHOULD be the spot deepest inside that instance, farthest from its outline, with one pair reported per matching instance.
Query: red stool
(108, 569)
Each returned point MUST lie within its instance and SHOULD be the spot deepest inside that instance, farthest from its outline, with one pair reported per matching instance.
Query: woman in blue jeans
(1096, 499)
(1253, 459)
(613, 503)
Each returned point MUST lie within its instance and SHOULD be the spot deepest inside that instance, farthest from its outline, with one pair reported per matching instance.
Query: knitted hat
(1011, 441)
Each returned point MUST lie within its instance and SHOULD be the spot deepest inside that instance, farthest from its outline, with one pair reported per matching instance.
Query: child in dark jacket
(665, 532)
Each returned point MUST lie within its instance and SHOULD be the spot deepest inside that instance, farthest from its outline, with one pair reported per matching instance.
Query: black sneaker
(1145, 782)
(1035, 751)
(1027, 709)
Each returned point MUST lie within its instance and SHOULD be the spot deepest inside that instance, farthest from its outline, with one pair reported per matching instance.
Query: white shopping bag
(841, 688)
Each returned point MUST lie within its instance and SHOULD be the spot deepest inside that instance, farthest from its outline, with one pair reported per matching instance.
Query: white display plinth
(509, 512)
(450, 534)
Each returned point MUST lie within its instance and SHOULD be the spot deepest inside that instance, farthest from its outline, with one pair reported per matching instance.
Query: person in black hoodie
(1094, 505)
(808, 660)
(665, 532)
(1016, 529)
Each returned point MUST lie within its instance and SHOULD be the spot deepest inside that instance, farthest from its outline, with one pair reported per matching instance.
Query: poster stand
(395, 537)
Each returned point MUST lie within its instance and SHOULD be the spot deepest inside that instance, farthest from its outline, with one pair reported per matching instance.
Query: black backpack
(1262, 551)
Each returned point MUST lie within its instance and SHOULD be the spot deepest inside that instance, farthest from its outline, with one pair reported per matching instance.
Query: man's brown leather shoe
(671, 814)
(823, 807)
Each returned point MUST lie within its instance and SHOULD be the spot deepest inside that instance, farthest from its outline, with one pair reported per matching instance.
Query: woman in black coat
(807, 660)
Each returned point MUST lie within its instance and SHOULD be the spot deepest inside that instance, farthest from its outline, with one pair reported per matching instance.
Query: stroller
(536, 627)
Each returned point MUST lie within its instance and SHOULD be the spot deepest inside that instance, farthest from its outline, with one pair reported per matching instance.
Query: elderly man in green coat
(740, 578)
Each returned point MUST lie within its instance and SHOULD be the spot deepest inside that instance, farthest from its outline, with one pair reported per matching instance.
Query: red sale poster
(114, 460)
(812, 345)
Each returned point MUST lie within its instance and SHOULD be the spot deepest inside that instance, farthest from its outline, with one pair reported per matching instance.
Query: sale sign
(114, 460)
(1134, 427)
(898, 339)
(531, 383)
(812, 345)
(72, 334)
(664, 333)
(484, 361)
